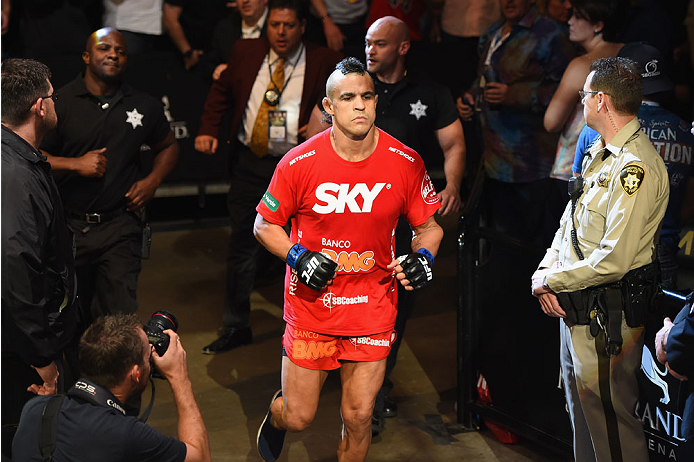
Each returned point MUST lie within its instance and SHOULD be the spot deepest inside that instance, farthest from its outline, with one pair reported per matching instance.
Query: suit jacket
(226, 33)
(232, 90)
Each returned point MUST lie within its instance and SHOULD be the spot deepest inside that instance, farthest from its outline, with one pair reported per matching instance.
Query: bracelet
(326, 15)
(188, 53)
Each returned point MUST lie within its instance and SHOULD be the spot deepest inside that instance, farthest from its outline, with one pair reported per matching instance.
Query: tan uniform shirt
(618, 215)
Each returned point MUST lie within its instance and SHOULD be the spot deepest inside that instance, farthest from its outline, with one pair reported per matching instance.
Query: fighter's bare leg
(296, 408)
(360, 384)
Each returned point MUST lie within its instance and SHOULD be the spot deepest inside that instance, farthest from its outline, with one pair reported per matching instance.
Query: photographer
(90, 424)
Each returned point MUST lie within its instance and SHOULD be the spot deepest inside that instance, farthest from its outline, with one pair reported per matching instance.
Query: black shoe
(378, 423)
(270, 439)
(390, 409)
(231, 338)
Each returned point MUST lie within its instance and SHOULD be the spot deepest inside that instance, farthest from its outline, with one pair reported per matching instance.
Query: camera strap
(145, 415)
(99, 396)
(93, 393)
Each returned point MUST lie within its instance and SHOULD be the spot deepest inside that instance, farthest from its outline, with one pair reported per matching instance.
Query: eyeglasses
(54, 97)
(583, 94)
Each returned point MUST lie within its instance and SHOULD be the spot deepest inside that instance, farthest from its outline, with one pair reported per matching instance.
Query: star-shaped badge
(134, 118)
(418, 109)
(631, 181)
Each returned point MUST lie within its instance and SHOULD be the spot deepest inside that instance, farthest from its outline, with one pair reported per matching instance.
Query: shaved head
(98, 35)
(386, 45)
(392, 27)
(105, 57)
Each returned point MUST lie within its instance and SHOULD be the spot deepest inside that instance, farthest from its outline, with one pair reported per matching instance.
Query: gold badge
(631, 179)
(603, 179)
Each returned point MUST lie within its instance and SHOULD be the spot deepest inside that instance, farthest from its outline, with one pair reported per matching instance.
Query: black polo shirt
(412, 110)
(87, 432)
(121, 124)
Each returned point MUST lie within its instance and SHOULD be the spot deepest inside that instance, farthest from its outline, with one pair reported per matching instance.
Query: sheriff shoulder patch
(631, 179)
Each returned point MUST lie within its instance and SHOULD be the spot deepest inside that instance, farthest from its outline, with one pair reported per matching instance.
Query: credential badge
(603, 179)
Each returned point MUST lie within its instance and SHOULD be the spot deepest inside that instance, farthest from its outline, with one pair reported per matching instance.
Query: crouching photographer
(89, 422)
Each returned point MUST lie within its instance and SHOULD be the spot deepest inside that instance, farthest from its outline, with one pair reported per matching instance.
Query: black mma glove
(417, 268)
(313, 268)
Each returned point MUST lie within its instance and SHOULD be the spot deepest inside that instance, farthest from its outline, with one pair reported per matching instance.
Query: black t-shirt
(87, 432)
(121, 125)
(199, 18)
(412, 110)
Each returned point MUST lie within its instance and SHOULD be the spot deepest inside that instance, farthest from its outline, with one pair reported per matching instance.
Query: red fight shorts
(316, 351)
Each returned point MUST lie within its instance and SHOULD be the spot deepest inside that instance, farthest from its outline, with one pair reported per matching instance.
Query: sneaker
(231, 338)
(390, 409)
(270, 439)
(378, 423)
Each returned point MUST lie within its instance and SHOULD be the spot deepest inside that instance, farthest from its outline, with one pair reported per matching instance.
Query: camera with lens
(155, 327)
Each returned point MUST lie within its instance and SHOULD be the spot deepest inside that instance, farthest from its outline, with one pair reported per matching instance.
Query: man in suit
(250, 22)
(276, 79)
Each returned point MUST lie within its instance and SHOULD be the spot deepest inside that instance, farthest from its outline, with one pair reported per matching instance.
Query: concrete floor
(185, 275)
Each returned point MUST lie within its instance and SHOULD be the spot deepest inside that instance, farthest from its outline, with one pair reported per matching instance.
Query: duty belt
(601, 307)
(96, 218)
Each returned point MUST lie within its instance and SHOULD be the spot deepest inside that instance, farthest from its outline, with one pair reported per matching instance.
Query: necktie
(260, 127)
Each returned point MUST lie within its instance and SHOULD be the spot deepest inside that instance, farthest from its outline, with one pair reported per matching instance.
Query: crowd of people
(348, 142)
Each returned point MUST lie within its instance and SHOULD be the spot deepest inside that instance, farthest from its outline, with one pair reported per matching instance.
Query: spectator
(458, 25)
(559, 10)
(138, 21)
(89, 423)
(102, 124)
(250, 22)
(522, 60)
(340, 25)
(280, 75)
(38, 273)
(189, 23)
(592, 26)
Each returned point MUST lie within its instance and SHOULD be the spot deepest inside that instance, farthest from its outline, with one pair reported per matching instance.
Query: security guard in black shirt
(102, 125)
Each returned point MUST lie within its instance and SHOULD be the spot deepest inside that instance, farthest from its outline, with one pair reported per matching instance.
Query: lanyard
(496, 43)
(286, 82)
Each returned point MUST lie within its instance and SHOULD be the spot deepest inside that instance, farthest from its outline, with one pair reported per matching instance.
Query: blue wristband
(294, 254)
(427, 254)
